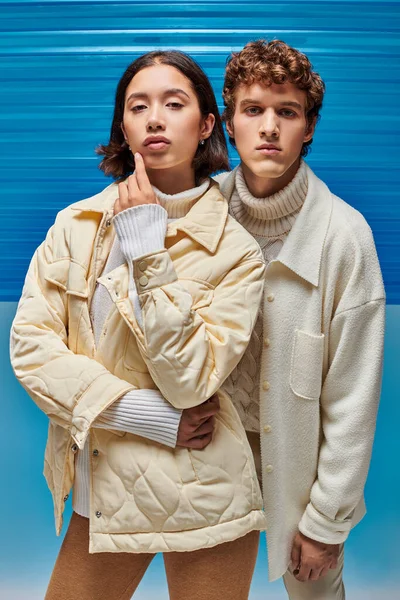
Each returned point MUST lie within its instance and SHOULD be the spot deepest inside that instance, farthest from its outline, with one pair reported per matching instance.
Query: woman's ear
(123, 131)
(207, 126)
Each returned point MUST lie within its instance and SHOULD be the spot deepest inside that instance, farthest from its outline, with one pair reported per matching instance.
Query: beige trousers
(329, 587)
(222, 572)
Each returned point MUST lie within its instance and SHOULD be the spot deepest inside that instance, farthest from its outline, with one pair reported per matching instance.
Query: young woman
(117, 303)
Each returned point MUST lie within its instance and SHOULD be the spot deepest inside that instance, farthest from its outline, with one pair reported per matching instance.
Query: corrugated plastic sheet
(60, 63)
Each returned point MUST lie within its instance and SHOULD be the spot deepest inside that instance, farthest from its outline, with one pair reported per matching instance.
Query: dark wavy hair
(118, 161)
(273, 62)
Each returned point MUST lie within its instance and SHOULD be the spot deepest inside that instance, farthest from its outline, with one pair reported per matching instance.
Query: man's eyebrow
(284, 103)
(169, 92)
(249, 101)
(291, 103)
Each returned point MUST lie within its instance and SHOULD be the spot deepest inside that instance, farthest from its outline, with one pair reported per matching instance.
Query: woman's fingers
(134, 191)
(122, 200)
(140, 171)
(204, 428)
(198, 443)
(143, 181)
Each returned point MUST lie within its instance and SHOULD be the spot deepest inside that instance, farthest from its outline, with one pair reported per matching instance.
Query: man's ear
(229, 128)
(309, 132)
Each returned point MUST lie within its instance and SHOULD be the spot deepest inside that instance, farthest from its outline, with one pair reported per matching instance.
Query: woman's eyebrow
(169, 92)
(173, 91)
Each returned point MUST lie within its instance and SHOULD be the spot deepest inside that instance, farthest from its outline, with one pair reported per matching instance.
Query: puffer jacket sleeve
(71, 389)
(191, 351)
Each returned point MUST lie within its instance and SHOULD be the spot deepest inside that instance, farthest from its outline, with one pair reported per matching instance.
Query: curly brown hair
(118, 161)
(272, 62)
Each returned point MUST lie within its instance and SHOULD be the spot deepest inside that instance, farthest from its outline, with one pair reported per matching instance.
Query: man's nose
(270, 125)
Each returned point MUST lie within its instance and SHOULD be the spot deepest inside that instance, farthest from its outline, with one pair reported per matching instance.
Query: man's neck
(262, 187)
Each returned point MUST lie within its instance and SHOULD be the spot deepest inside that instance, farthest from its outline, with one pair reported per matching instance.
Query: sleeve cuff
(141, 230)
(318, 527)
(153, 271)
(145, 413)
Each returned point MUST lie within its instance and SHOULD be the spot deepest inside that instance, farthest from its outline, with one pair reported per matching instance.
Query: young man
(309, 383)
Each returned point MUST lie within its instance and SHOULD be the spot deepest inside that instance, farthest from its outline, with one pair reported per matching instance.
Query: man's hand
(136, 190)
(197, 424)
(310, 559)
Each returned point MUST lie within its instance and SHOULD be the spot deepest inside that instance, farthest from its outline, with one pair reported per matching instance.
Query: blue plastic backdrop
(60, 63)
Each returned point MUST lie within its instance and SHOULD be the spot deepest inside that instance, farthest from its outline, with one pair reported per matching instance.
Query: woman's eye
(175, 104)
(138, 107)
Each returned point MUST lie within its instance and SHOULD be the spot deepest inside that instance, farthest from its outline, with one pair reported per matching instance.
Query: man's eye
(253, 110)
(288, 113)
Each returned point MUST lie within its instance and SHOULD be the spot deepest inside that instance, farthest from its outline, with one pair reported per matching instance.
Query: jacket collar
(303, 248)
(204, 222)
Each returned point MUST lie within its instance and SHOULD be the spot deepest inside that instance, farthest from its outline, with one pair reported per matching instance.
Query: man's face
(269, 128)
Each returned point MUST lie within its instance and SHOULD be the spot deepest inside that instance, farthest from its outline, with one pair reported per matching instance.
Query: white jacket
(324, 310)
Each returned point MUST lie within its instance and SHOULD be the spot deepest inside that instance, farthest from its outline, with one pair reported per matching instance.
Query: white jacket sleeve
(349, 403)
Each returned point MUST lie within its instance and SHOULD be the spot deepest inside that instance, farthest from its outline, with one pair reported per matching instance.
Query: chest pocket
(306, 365)
(70, 277)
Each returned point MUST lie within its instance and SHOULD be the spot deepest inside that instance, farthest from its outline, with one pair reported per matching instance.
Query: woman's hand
(136, 190)
(197, 424)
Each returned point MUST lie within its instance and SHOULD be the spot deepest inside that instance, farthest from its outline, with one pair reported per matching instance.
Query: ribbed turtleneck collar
(273, 215)
(178, 205)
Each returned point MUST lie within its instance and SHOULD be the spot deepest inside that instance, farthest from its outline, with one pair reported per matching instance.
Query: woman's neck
(172, 181)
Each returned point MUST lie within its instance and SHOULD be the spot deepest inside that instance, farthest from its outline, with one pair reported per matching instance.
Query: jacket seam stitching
(380, 299)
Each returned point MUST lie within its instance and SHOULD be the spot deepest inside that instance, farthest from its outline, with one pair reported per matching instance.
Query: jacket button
(270, 297)
(266, 385)
(95, 452)
(267, 342)
(98, 514)
(108, 222)
(267, 428)
(269, 468)
(66, 497)
(74, 448)
(143, 281)
(143, 265)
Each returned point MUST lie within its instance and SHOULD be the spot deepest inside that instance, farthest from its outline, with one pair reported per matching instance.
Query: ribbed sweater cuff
(145, 413)
(318, 527)
(141, 229)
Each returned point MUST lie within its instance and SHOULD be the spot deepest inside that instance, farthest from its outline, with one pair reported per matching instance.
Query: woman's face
(162, 119)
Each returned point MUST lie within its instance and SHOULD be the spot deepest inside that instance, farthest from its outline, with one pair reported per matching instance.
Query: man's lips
(268, 149)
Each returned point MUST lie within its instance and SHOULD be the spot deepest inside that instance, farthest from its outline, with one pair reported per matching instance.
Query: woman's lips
(157, 145)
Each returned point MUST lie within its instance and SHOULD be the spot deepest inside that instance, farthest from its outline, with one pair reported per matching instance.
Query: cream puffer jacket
(199, 298)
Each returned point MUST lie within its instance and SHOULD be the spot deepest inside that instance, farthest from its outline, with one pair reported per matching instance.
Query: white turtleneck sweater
(269, 220)
(147, 413)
